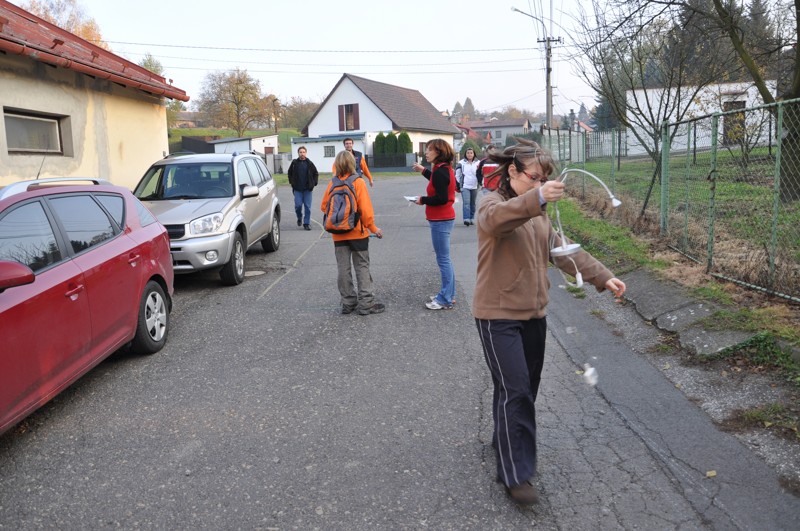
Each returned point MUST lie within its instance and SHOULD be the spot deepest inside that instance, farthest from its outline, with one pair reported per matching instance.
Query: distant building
(711, 99)
(361, 109)
(190, 120)
(263, 145)
(499, 129)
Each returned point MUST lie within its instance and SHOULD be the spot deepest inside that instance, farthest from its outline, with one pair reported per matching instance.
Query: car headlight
(206, 224)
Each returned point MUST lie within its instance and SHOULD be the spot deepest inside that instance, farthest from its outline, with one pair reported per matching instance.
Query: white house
(263, 145)
(360, 109)
(500, 129)
(717, 98)
(73, 109)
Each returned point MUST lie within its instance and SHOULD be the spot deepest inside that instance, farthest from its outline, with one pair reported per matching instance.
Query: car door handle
(133, 258)
(73, 293)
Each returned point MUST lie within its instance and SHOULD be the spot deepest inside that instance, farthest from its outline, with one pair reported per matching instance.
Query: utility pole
(548, 46)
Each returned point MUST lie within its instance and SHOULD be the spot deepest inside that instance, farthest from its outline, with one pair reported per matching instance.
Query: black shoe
(347, 310)
(299, 222)
(466, 223)
(307, 227)
(375, 308)
(524, 493)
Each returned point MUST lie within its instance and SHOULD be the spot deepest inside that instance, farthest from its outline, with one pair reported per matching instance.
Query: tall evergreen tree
(469, 109)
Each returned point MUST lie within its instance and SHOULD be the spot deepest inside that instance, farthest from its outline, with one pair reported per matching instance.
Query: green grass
(772, 416)
(770, 319)
(763, 350)
(714, 291)
(613, 245)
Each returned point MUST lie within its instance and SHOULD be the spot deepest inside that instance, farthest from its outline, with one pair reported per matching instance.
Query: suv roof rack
(179, 154)
(24, 186)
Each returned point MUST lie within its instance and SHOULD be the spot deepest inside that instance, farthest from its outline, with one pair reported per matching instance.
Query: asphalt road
(269, 410)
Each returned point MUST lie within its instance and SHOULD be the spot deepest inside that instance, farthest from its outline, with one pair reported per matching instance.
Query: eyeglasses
(533, 177)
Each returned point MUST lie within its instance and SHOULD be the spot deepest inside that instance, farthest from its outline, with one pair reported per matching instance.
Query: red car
(84, 270)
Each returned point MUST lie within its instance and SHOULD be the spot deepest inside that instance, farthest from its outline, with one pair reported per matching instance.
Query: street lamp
(548, 54)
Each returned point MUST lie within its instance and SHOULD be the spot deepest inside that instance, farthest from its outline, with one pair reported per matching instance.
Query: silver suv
(215, 206)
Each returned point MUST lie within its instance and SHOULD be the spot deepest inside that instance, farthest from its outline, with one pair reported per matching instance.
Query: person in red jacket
(352, 248)
(439, 211)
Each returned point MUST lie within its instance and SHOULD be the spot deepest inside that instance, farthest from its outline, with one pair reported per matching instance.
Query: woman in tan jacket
(514, 241)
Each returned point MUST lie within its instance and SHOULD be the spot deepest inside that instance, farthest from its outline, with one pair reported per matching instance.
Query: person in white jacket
(468, 183)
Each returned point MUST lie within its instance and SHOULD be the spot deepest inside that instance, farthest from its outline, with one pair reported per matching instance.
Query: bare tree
(725, 31)
(641, 62)
(298, 112)
(233, 99)
(68, 15)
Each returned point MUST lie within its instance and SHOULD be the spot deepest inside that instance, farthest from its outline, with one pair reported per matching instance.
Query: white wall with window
(322, 150)
(709, 100)
(58, 123)
(348, 107)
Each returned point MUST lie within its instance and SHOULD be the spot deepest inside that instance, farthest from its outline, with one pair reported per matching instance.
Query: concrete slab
(653, 296)
(682, 318)
(701, 342)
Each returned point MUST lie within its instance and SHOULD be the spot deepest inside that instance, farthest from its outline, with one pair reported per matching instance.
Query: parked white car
(215, 207)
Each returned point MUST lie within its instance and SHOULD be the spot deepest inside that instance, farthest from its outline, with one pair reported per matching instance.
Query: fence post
(712, 177)
(686, 187)
(613, 154)
(665, 147)
(776, 198)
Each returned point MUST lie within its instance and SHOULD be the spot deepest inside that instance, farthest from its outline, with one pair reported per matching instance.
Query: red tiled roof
(23, 33)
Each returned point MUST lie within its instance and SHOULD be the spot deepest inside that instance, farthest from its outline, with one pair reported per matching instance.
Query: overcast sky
(447, 49)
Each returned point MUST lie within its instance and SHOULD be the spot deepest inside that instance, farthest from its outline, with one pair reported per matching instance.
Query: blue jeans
(469, 197)
(302, 198)
(440, 236)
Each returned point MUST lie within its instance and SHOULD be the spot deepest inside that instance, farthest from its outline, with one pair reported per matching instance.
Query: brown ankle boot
(524, 493)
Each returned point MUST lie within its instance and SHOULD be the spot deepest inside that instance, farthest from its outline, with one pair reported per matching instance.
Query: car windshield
(186, 181)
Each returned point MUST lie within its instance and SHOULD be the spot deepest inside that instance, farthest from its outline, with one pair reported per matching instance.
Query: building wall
(315, 149)
(709, 100)
(230, 147)
(326, 122)
(261, 144)
(108, 131)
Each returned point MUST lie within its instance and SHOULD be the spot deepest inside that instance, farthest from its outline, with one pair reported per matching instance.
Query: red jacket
(441, 193)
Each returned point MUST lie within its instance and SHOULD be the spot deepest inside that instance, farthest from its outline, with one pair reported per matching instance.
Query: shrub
(404, 144)
(379, 147)
(391, 144)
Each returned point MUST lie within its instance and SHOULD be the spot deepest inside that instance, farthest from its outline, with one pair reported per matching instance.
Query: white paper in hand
(411, 198)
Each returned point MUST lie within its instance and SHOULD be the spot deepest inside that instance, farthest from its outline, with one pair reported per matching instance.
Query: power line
(351, 65)
(194, 47)
(338, 72)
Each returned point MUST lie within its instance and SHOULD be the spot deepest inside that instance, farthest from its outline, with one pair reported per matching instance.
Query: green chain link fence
(723, 189)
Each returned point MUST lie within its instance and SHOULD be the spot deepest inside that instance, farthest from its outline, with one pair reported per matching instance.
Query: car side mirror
(250, 191)
(13, 274)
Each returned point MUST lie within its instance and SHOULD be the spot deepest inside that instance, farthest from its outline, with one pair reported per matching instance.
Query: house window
(31, 133)
(498, 134)
(348, 117)
(330, 151)
(733, 123)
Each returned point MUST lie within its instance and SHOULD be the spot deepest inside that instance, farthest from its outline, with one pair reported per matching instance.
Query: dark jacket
(313, 176)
